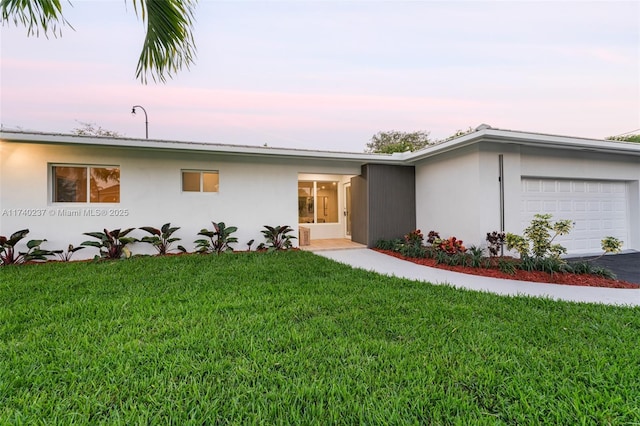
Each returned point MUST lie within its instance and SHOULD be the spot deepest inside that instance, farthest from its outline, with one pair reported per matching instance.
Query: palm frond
(36, 15)
(168, 45)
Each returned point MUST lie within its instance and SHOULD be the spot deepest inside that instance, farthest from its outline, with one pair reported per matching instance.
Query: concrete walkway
(373, 261)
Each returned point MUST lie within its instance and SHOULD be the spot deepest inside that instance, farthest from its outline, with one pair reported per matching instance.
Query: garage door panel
(565, 206)
(597, 208)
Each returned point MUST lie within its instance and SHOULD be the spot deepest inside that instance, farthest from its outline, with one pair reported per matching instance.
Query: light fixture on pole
(146, 119)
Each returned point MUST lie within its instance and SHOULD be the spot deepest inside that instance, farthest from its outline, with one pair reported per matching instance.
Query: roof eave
(222, 149)
(528, 139)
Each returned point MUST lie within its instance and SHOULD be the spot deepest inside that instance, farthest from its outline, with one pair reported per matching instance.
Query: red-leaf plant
(112, 244)
(9, 256)
(452, 245)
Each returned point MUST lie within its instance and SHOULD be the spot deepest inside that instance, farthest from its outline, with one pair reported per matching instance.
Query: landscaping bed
(521, 275)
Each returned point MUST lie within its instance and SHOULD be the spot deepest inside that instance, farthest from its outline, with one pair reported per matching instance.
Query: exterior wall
(458, 193)
(386, 209)
(253, 192)
(448, 196)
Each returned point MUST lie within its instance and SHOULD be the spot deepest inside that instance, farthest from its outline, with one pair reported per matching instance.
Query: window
(200, 181)
(77, 184)
(318, 202)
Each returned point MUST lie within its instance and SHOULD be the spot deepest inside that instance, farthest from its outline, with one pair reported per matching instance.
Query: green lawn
(293, 338)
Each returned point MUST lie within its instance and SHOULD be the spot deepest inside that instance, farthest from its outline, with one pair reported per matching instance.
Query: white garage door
(597, 208)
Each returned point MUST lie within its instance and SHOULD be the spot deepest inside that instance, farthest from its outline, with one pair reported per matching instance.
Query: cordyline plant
(277, 237)
(432, 237)
(537, 241)
(495, 242)
(219, 239)
(112, 244)
(9, 256)
(161, 239)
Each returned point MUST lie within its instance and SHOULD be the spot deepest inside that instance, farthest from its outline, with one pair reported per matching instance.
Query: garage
(597, 208)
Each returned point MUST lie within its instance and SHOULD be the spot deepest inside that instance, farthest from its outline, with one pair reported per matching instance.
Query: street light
(146, 119)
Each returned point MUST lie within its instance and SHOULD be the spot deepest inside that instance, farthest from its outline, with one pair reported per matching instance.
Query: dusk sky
(330, 74)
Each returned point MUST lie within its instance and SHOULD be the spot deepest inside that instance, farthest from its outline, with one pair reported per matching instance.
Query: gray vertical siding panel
(392, 201)
(383, 203)
(359, 209)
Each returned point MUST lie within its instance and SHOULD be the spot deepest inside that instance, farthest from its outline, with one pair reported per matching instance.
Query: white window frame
(202, 173)
(88, 167)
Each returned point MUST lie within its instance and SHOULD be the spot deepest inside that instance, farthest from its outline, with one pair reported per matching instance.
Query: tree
(168, 45)
(626, 138)
(457, 134)
(395, 141)
(92, 129)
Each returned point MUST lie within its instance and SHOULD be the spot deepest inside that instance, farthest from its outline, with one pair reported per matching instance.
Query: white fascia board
(223, 149)
(526, 138)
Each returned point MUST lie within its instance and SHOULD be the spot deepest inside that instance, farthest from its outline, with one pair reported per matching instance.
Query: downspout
(501, 181)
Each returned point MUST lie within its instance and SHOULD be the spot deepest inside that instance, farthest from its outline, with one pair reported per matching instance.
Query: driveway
(626, 266)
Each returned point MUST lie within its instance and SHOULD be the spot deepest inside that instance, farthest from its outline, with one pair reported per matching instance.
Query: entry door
(347, 209)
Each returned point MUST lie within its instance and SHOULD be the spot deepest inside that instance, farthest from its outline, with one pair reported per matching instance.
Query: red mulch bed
(535, 276)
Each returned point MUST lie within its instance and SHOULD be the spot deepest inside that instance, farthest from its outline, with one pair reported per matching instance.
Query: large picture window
(317, 202)
(82, 184)
(200, 181)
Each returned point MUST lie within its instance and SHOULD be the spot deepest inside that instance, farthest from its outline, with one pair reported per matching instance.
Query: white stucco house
(60, 186)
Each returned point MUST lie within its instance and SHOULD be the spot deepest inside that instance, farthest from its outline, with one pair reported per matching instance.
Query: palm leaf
(36, 15)
(168, 45)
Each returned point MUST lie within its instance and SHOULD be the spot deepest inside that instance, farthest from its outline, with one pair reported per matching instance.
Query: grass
(293, 338)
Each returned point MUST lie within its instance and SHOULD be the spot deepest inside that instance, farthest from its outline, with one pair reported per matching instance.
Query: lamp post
(146, 119)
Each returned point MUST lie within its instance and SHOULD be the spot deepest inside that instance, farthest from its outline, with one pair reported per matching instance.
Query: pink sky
(329, 75)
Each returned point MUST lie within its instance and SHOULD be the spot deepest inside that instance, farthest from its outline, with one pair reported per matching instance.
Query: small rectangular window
(191, 181)
(79, 184)
(209, 181)
(200, 181)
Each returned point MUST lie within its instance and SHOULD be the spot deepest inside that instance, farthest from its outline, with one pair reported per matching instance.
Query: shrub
(394, 245)
(432, 237)
(111, 244)
(452, 245)
(537, 241)
(412, 245)
(545, 264)
(414, 238)
(161, 239)
(495, 242)
(411, 250)
(611, 245)
(219, 241)
(507, 266)
(441, 257)
(475, 257)
(277, 237)
(9, 256)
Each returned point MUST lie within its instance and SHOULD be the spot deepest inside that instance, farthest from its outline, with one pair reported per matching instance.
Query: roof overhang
(201, 147)
(537, 140)
(482, 135)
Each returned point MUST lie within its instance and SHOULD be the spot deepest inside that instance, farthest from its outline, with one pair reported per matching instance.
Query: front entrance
(324, 205)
